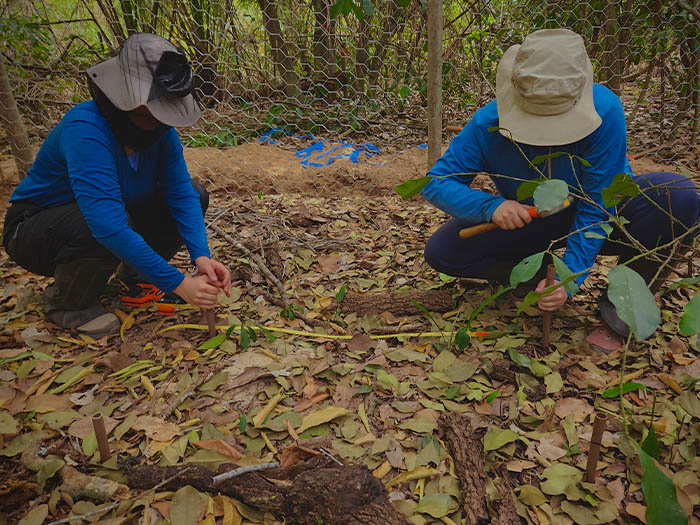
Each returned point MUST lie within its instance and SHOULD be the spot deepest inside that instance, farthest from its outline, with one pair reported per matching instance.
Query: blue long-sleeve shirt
(82, 161)
(476, 149)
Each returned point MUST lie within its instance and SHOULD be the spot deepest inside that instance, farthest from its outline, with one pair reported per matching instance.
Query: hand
(216, 272)
(552, 301)
(198, 291)
(511, 215)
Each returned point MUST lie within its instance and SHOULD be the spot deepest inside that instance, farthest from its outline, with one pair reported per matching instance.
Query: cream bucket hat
(149, 71)
(544, 90)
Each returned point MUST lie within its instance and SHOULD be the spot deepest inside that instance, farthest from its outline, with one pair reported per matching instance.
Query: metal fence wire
(348, 74)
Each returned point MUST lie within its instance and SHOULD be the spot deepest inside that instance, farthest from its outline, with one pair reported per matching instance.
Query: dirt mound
(255, 167)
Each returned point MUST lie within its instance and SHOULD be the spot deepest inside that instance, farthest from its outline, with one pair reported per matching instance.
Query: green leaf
(650, 445)
(462, 339)
(498, 437)
(187, 505)
(337, 8)
(688, 281)
(519, 359)
(245, 339)
(622, 186)
(368, 7)
(526, 269)
(690, 322)
(553, 382)
(242, 423)
(626, 388)
(412, 187)
(660, 494)
(527, 188)
(387, 380)
(493, 395)
(550, 194)
(565, 275)
(8, 425)
(90, 444)
(437, 505)
(214, 342)
(49, 469)
(594, 235)
(539, 159)
(36, 516)
(341, 293)
(633, 301)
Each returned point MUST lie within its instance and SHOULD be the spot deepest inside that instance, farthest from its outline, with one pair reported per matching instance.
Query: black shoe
(72, 301)
(609, 315)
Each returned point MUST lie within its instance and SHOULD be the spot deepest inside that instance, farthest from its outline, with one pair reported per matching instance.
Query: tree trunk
(362, 55)
(389, 25)
(324, 49)
(130, 14)
(11, 119)
(434, 80)
(308, 493)
(281, 56)
(610, 46)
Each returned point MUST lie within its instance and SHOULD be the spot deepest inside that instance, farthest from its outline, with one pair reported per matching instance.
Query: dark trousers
(493, 254)
(38, 238)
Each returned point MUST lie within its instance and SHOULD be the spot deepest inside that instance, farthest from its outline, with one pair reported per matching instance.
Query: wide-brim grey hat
(544, 90)
(149, 71)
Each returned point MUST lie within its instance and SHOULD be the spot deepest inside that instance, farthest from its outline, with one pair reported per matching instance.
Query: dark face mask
(126, 132)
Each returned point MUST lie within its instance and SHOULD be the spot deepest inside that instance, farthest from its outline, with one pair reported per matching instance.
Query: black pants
(38, 238)
(496, 252)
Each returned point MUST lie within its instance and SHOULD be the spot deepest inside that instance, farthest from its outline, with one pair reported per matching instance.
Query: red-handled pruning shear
(150, 294)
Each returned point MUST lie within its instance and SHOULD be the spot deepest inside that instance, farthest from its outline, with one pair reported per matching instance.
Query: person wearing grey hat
(110, 184)
(546, 102)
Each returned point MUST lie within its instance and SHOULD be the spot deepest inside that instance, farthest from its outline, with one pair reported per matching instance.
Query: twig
(243, 470)
(256, 262)
(119, 503)
(330, 456)
(594, 451)
(187, 393)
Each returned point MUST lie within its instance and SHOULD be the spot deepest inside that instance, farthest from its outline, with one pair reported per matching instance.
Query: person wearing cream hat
(109, 185)
(546, 102)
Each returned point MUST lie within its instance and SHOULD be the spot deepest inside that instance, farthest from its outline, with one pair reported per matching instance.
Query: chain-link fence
(326, 81)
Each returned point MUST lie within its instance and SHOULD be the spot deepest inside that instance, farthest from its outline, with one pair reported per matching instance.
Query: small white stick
(243, 470)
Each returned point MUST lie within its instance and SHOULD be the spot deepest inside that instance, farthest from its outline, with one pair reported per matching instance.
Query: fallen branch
(398, 303)
(467, 450)
(119, 503)
(307, 493)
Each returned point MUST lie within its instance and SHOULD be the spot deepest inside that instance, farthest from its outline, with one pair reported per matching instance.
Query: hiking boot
(72, 301)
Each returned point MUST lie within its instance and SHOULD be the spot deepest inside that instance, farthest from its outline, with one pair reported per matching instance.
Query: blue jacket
(476, 149)
(81, 161)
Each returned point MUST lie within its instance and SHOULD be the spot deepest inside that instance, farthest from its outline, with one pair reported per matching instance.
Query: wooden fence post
(11, 119)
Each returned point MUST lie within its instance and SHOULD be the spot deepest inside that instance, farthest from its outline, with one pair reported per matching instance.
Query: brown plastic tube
(211, 321)
(594, 450)
(101, 435)
(547, 317)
